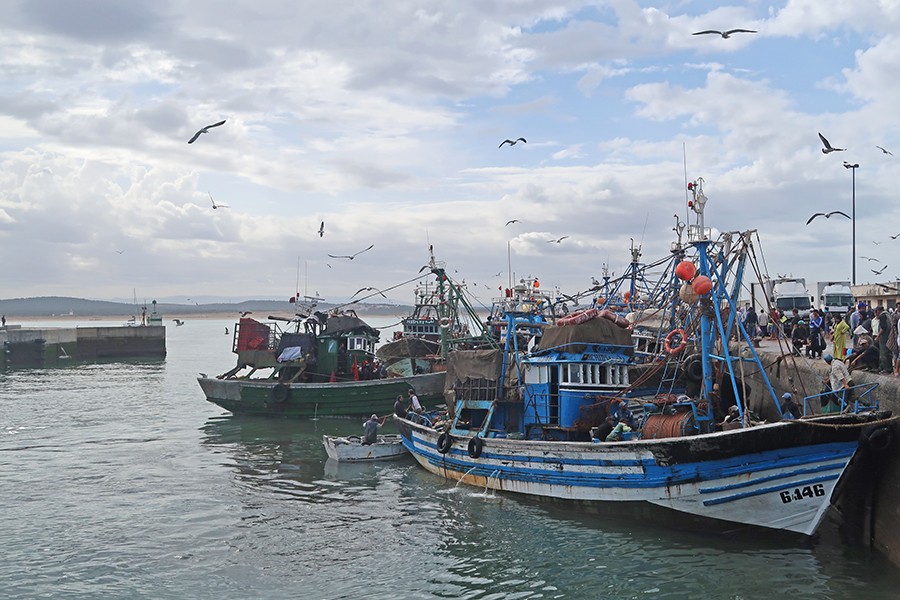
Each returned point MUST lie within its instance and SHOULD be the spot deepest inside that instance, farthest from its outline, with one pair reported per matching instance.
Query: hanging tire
(444, 442)
(879, 439)
(280, 393)
(693, 368)
(475, 447)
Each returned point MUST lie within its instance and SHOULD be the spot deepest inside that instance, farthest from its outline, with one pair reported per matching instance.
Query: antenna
(687, 198)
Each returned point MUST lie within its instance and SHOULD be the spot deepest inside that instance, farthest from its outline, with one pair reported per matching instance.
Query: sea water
(119, 480)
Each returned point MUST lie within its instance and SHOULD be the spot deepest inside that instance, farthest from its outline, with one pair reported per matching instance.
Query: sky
(383, 119)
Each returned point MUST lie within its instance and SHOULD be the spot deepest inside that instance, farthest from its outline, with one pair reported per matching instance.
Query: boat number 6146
(801, 493)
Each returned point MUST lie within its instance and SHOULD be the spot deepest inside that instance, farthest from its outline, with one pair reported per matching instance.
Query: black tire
(475, 447)
(879, 439)
(444, 443)
(693, 368)
(280, 393)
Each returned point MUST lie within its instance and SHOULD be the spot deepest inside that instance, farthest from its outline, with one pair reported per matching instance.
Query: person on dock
(838, 379)
(799, 334)
(763, 323)
(3, 321)
(882, 323)
(750, 321)
(414, 405)
(370, 428)
(816, 335)
(839, 335)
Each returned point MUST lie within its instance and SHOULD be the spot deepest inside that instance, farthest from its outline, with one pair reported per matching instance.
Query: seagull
(827, 215)
(204, 130)
(246, 312)
(119, 251)
(725, 34)
(557, 240)
(226, 331)
(322, 229)
(881, 271)
(215, 206)
(876, 243)
(499, 273)
(371, 289)
(352, 256)
(894, 237)
(828, 147)
(870, 259)
(511, 221)
(885, 151)
(178, 322)
(512, 142)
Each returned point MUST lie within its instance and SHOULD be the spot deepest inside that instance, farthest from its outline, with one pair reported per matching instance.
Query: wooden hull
(339, 399)
(779, 476)
(351, 448)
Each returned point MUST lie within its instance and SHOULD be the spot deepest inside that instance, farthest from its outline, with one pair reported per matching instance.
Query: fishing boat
(576, 415)
(315, 364)
(352, 449)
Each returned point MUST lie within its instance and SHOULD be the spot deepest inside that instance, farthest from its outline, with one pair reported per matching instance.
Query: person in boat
(838, 381)
(618, 433)
(789, 408)
(370, 428)
(414, 404)
(399, 410)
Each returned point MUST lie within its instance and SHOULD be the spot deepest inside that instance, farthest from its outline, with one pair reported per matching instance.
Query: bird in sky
(321, 228)
(178, 322)
(894, 237)
(879, 272)
(226, 331)
(512, 142)
(368, 289)
(885, 151)
(827, 215)
(876, 243)
(558, 240)
(351, 256)
(511, 221)
(828, 147)
(215, 206)
(870, 259)
(725, 34)
(246, 312)
(498, 274)
(205, 130)
(119, 251)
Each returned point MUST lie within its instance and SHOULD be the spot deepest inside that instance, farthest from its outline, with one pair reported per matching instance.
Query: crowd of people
(865, 337)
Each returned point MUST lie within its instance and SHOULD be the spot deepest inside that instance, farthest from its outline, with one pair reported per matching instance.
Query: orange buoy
(702, 285)
(626, 296)
(685, 270)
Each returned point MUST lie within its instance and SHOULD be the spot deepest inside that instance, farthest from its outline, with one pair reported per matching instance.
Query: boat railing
(863, 401)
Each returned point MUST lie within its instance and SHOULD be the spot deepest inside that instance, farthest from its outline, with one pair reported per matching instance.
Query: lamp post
(853, 168)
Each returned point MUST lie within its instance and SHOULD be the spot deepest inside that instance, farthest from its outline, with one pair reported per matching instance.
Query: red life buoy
(682, 341)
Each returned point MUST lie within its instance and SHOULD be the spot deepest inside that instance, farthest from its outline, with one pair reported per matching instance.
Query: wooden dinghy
(351, 448)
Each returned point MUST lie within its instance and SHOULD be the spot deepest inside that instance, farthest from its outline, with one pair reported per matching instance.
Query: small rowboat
(351, 448)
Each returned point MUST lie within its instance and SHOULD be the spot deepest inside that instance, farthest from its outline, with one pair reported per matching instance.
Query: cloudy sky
(383, 120)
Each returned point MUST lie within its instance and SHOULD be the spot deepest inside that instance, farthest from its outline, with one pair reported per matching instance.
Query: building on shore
(875, 294)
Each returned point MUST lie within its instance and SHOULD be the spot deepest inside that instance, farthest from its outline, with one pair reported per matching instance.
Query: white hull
(787, 488)
(351, 448)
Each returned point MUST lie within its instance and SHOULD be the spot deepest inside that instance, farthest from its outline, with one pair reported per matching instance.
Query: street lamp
(853, 168)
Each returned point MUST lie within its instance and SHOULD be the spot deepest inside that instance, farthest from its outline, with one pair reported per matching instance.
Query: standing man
(3, 321)
(750, 322)
(838, 379)
(371, 430)
(881, 338)
(414, 405)
(856, 320)
(763, 323)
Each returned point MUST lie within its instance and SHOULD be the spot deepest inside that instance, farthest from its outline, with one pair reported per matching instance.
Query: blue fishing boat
(568, 410)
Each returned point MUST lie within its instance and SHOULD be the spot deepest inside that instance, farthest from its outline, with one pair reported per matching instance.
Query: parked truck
(789, 293)
(834, 296)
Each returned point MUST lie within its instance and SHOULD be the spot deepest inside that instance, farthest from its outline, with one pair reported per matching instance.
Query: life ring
(682, 341)
(445, 323)
(693, 368)
(444, 442)
(475, 447)
(280, 393)
(879, 439)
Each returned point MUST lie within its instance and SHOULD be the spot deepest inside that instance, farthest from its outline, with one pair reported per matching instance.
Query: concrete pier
(27, 347)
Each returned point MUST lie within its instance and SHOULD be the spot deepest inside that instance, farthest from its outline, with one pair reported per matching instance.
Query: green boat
(317, 365)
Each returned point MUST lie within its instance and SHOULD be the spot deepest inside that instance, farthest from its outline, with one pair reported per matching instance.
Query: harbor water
(120, 481)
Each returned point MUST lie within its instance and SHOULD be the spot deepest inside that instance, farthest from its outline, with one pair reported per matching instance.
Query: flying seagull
(204, 130)
(511, 221)
(370, 289)
(352, 256)
(827, 215)
(885, 151)
(322, 229)
(246, 312)
(894, 237)
(876, 243)
(557, 240)
(119, 251)
(215, 206)
(870, 259)
(881, 271)
(178, 322)
(828, 147)
(512, 142)
(725, 34)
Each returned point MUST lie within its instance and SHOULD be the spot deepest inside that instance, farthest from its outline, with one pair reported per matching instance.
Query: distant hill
(51, 306)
